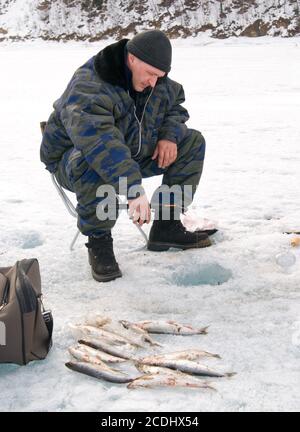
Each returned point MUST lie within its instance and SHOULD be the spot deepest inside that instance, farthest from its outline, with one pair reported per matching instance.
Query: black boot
(102, 258)
(171, 233)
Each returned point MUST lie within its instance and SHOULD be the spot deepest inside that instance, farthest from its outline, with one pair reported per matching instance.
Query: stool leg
(74, 240)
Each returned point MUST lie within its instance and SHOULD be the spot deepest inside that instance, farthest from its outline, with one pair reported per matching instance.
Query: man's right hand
(139, 210)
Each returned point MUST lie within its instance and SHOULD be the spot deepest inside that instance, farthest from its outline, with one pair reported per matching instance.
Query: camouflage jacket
(97, 116)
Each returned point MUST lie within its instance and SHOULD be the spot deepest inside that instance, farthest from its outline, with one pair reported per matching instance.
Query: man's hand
(166, 151)
(139, 210)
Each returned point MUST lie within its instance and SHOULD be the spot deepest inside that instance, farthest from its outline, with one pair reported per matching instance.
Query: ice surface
(244, 95)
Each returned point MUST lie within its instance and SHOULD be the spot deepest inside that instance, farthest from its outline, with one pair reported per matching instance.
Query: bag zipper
(28, 295)
(4, 299)
(22, 319)
(21, 303)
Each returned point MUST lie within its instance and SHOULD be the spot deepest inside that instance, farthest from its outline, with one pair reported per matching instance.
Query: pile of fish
(105, 345)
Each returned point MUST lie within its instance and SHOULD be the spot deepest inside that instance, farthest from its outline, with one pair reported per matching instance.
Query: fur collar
(110, 64)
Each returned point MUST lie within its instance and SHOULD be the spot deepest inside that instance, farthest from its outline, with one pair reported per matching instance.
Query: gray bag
(25, 326)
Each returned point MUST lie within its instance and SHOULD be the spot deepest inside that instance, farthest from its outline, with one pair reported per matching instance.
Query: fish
(151, 370)
(189, 354)
(85, 353)
(187, 366)
(138, 330)
(99, 372)
(168, 379)
(119, 330)
(124, 351)
(170, 327)
(100, 333)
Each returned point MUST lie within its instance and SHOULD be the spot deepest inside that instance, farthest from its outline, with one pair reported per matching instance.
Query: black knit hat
(152, 47)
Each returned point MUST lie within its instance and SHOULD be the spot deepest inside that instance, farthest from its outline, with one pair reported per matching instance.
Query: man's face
(143, 74)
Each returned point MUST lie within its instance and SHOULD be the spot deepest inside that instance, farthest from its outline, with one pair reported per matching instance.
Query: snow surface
(244, 95)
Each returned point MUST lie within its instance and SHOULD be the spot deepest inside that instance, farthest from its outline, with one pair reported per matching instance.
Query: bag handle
(48, 318)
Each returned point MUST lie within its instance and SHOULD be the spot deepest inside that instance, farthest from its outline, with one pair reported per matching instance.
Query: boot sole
(106, 278)
(160, 246)
(209, 232)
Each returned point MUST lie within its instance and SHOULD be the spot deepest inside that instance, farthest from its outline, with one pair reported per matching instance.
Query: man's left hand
(166, 151)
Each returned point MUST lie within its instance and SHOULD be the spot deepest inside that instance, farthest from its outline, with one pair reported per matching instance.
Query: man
(121, 117)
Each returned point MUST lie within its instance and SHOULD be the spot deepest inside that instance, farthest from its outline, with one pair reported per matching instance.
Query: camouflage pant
(75, 175)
